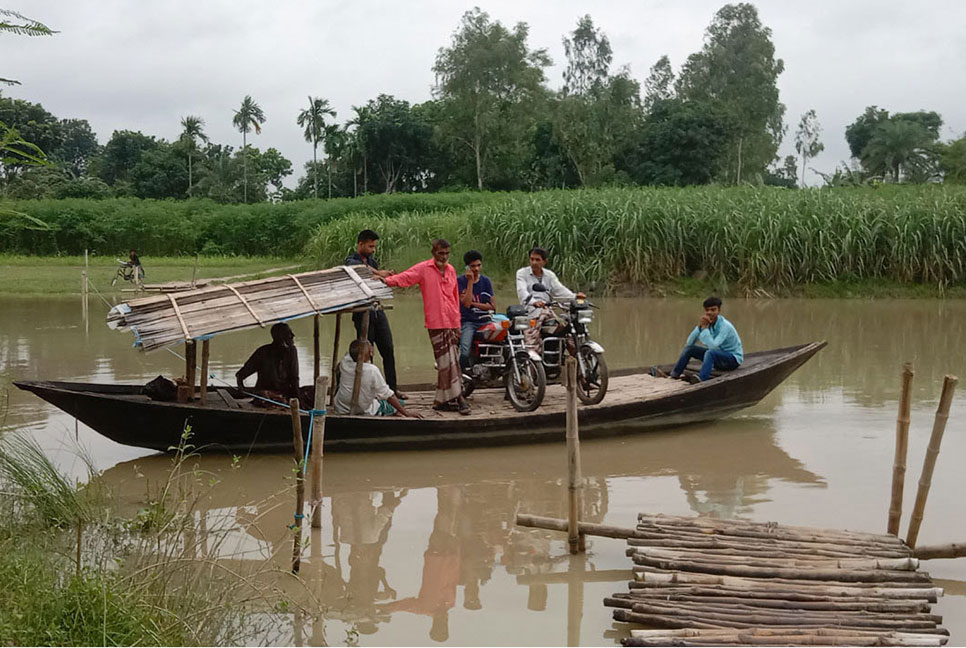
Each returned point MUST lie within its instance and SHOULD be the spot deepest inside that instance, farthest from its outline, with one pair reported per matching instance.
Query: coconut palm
(896, 145)
(313, 120)
(192, 132)
(247, 118)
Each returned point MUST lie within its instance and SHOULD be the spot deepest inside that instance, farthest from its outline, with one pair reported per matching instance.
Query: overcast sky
(143, 65)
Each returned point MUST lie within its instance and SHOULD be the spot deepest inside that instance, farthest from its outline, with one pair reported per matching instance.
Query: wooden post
(191, 361)
(574, 536)
(315, 340)
(318, 437)
(902, 447)
(194, 271)
(335, 355)
(204, 371)
(293, 405)
(929, 463)
(357, 383)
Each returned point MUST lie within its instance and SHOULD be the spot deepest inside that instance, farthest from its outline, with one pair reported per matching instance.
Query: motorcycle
(568, 332)
(500, 358)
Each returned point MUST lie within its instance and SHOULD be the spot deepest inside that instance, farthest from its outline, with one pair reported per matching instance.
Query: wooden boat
(230, 423)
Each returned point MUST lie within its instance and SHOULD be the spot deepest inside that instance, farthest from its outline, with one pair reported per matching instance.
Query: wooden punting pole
(335, 355)
(293, 405)
(574, 536)
(318, 437)
(902, 447)
(315, 340)
(932, 453)
(191, 362)
(205, 350)
(357, 382)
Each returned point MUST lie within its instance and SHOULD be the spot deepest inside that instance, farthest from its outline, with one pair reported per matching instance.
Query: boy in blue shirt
(722, 346)
(476, 302)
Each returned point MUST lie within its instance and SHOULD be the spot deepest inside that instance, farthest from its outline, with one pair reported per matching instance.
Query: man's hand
(581, 295)
(410, 414)
(469, 276)
(539, 304)
(382, 274)
(705, 322)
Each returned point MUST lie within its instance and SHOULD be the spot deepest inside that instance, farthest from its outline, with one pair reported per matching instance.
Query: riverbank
(37, 275)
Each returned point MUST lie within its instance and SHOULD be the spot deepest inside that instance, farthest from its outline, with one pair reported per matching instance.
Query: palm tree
(896, 145)
(313, 120)
(191, 133)
(249, 116)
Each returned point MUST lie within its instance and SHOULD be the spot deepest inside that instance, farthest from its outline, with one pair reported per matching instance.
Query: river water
(420, 548)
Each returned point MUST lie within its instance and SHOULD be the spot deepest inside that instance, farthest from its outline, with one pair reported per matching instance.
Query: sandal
(463, 408)
(448, 406)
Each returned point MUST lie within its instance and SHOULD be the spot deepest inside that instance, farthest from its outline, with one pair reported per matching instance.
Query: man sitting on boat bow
(376, 398)
(277, 366)
(722, 347)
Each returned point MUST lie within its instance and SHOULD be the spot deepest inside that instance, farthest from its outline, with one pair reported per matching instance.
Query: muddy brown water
(420, 548)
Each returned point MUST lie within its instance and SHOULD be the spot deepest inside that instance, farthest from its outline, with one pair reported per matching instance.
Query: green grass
(62, 274)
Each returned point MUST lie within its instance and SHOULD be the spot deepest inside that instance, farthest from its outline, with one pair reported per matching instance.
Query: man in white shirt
(376, 398)
(534, 273)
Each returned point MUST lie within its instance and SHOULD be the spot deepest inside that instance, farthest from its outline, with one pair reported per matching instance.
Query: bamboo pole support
(315, 347)
(357, 382)
(902, 448)
(929, 463)
(318, 437)
(191, 362)
(194, 271)
(951, 550)
(84, 296)
(293, 405)
(205, 351)
(335, 355)
(575, 537)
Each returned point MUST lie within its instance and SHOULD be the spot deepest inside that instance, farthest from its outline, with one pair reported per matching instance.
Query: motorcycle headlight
(585, 316)
(521, 323)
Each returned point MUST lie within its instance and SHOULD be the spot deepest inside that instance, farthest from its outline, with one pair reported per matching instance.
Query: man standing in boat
(436, 279)
(277, 366)
(379, 332)
(722, 347)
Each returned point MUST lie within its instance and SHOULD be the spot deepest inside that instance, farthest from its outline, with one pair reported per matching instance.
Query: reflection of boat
(635, 401)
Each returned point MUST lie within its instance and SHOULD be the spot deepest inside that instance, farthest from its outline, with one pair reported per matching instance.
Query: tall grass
(749, 236)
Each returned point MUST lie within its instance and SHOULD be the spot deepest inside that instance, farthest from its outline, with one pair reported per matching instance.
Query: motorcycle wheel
(468, 385)
(592, 388)
(526, 394)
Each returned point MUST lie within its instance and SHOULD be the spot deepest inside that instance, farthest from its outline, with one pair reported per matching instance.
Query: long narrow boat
(229, 422)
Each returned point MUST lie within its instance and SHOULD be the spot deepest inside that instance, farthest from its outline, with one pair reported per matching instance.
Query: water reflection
(421, 537)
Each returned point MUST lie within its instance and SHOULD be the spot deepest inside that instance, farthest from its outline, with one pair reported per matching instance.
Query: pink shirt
(441, 302)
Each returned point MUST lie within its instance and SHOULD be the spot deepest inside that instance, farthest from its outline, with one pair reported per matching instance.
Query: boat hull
(117, 412)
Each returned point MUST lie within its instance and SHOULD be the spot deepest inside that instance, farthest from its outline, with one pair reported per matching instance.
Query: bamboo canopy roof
(173, 318)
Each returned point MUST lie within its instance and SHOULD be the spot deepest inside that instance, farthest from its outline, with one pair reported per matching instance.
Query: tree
(274, 168)
(247, 118)
(161, 172)
(953, 161)
(680, 143)
(32, 124)
(119, 157)
(17, 24)
(807, 141)
(659, 85)
(77, 147)
(596, 111)
(589, 57)
(900, 145)
(737, 70)
(396, 141)
(312, 119)
(860, 132)
(192, 130)
(490, 84)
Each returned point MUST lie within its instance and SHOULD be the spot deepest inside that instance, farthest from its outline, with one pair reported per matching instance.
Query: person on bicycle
(536, 273)
(135, 263)
(476, 302)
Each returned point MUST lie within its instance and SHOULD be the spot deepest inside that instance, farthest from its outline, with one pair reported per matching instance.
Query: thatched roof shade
(173, 318)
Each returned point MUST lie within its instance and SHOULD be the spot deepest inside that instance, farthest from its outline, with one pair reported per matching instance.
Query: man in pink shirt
(436, 279)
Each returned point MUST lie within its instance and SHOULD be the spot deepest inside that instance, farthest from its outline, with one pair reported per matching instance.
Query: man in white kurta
(376, 398)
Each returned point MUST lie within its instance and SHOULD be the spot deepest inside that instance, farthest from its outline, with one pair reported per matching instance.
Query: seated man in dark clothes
(277, 366)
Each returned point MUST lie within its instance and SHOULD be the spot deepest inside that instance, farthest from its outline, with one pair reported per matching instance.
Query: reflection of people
(476, 301)
(376, 398)
(363, 520)
(441, 567)
(276, 364)
(436, 279)
(722, 346)
(379, 332)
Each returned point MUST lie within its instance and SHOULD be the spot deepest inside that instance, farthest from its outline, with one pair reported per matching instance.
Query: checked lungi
(446, 350)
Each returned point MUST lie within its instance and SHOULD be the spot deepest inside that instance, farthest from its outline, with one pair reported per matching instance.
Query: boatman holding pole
(436, 279)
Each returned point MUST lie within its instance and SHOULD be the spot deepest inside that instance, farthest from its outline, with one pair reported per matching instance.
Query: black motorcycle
(567, 332)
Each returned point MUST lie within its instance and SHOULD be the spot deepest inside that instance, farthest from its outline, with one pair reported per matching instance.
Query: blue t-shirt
(482, 293)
